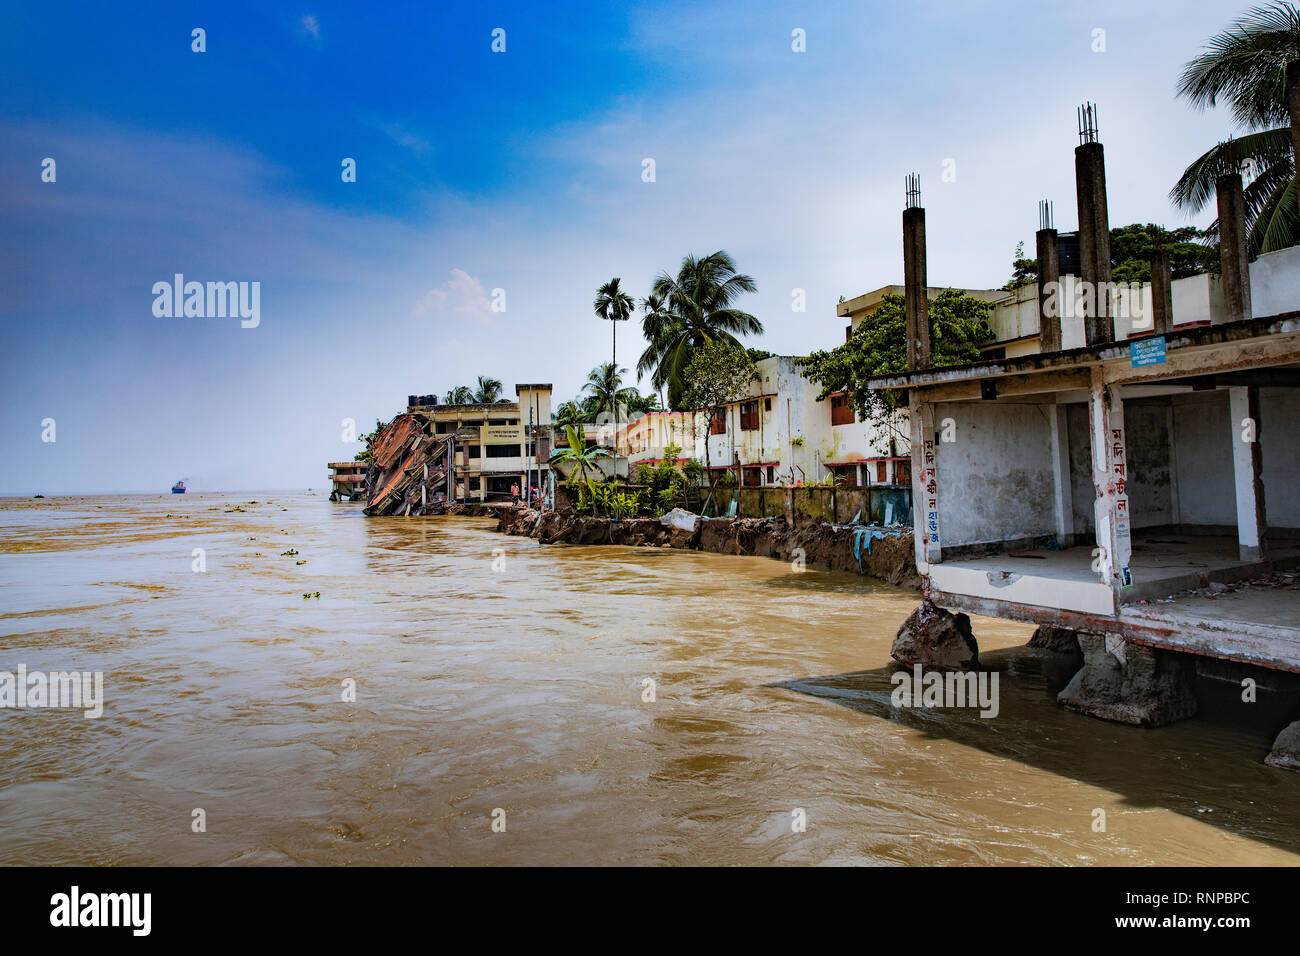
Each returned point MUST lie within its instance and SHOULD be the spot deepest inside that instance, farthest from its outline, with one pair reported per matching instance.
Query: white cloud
(462, 294)
(311, 25)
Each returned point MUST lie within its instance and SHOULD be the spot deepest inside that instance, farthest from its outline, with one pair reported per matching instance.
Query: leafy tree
(1253, 65)
(460, 395)
(367, 454)
(719, 373)
(1023, 271)
(1130, 254)
(878, 346)
(697, 308)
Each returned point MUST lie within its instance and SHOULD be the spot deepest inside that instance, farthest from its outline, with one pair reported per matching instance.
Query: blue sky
(518, 170)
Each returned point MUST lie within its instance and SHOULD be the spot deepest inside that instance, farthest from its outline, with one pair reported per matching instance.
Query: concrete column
(1049, 281)
(1062, 499)
(1293, 106)
(925, 484)
(1110, 479)
(1162, 292)
(917, 304)
(1094, 240)
(1247, 465)
(1233, 255)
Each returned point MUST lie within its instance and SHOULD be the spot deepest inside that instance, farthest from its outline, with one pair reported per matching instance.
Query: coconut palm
(568, 413)
(488, 391)
(1253, 66)
(605, 391)
(696, 308)
(460, 395)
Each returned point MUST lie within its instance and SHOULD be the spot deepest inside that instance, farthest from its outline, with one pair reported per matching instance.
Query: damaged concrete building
(1123, 489)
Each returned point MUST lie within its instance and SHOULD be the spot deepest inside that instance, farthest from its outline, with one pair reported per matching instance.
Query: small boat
(178, 488)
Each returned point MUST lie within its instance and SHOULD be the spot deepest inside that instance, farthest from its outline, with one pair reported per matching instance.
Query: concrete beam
(1110, 481)
(1162, 292)
(1247, 467)
(1233, 255)
(916, 299)
(1094, 238)
(1049, 277)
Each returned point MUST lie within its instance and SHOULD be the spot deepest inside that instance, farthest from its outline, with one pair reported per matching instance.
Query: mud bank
(824, 546)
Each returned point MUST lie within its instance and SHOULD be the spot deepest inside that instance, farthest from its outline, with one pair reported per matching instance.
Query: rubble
(408, 475)
(1129, 683)
(936, 638)
(824, 546)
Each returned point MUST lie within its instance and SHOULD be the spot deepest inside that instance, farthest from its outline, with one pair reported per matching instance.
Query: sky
(521, 171)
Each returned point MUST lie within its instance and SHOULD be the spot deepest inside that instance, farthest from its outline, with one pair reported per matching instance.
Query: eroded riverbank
(492, 672)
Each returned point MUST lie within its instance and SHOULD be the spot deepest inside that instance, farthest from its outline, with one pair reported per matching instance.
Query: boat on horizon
(179, 487)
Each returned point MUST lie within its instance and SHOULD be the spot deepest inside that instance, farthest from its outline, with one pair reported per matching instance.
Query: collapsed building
(1125, 489)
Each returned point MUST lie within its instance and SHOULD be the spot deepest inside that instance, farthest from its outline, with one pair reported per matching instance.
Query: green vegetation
(366, 454)
(719, 372)
(1251, 67)
(878, 346)
(688, 311)
(1130, 254)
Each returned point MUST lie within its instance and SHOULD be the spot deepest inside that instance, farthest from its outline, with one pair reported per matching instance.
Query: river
(495, 674)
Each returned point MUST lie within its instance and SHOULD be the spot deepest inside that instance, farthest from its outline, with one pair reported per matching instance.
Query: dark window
(503, 451)
(841, 411)
(771, 474)
(753, 476)
(903, 473)
(474, 451)
(718, 423)
(882, 471)
(442, 428)
(767, 404)
(473, 484)
(748, 416)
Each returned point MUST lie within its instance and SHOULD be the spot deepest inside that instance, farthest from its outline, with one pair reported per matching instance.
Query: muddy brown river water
(493, 673)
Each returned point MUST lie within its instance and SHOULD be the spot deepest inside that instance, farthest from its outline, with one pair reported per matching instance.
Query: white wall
(995, 479)
(1275, 282)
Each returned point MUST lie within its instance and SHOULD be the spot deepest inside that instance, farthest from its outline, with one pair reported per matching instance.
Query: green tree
(698, 308)
(1023, 271)
(583, 459)
(1131, 248)
(605, 390)
(460, 395)
(878, 346)
(367, 454)
(1253, 66)
(488, 391)
(718, 374)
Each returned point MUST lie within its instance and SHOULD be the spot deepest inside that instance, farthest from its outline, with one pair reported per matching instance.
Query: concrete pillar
(1247, 466)
(1293, 106)
(1062, 499)
(1049, 282)
(1233, 255)
(1094, 240)
(917, 304)
(1162, 292)
(925, 484)
(1110, 479)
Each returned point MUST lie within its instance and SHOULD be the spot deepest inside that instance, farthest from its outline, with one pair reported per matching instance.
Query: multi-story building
(497, 447)
(781, 434)
(647, 438)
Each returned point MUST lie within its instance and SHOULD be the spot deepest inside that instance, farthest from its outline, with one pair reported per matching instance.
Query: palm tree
(696, 308)
(1254, 66)
(488, 391)
(580, 456)
(605, 391)
(569, 413)
(615, 306)
(460, 395)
